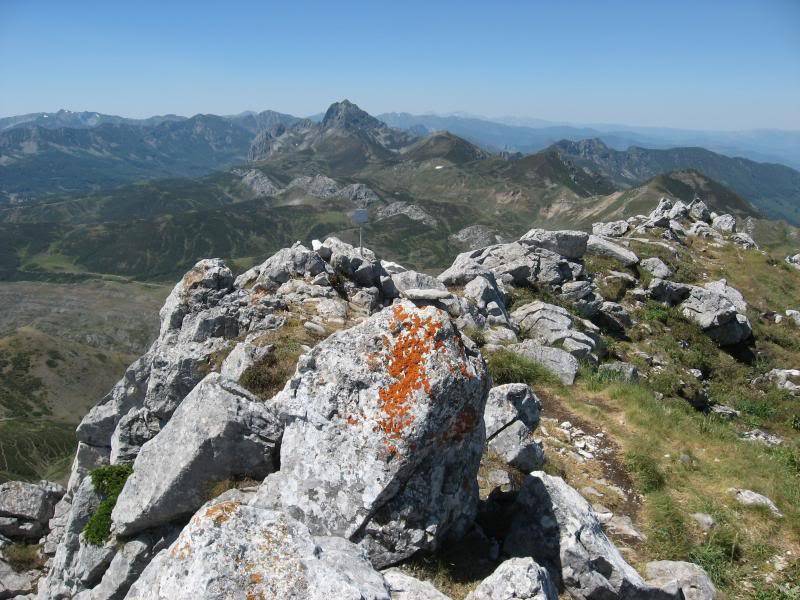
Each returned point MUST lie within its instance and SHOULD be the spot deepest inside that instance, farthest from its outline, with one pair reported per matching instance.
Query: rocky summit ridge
(300, 430)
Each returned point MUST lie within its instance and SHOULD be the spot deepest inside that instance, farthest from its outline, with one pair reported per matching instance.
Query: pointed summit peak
(347, 115)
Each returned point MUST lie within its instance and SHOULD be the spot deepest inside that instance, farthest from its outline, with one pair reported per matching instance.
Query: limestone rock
(488, 298)
(516, 578)
(569, 244)
(560, 362)
(219, 431)
(553, 325)
(794, 261)
(751, 498)
(29, 501)
(744, 240)
(234, 550)
(724, 223)
(14, 584)
(693, 581)
(552, 523)
(785, 379)
(717, 316)
(386, 418)
(403, 586)
(508, 403)
(517, 263)
(620, 370)
(656, 267)
(516, 446)
(77, 565)
(699, 211)
(611, 229)
(598, 246)
(669, 292)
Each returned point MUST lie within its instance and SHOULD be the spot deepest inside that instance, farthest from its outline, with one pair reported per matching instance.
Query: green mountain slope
(772, 189)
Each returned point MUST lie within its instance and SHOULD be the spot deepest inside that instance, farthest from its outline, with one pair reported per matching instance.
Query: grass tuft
(508, 367)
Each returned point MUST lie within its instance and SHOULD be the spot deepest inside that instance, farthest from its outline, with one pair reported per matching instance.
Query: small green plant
(653, 311)
(108, 482)
(508, 367)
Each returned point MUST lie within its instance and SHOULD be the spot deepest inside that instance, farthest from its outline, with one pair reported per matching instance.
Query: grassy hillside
(62, 347)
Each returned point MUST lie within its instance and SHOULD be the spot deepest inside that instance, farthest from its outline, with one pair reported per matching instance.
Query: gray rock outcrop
(233, 550)
(386, 418)
(692, 580)
(560, 362)
(220, 431)
(516, 578)
(552, 523)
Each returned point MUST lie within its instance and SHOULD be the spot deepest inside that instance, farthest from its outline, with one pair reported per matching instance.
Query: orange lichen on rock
(416, 339)
(220, 513)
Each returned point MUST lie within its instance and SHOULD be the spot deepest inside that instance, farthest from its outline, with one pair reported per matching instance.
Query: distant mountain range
(71, 153)
(532, 135)
(147, 200)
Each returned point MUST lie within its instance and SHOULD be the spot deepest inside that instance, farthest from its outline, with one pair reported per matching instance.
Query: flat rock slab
(233, 550)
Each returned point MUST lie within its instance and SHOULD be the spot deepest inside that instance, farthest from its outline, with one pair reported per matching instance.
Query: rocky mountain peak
(585, 148)
(347, 115)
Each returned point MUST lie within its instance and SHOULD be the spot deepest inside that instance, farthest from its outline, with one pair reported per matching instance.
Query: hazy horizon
(684, 65)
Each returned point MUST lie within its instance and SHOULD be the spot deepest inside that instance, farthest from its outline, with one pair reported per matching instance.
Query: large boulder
(516, 579)
(656, 267)
(233, 550)
(29, 501)
(794, 261)
(724, 223)
(508, 403)
(553, 325)
(383, 434)
(598, 246)
(569, 244)
(488, 298)
(668, 292)
(552, 523)
(692, 580)
(517, 263)
(717, 316)
(698, 210)
(219, 431)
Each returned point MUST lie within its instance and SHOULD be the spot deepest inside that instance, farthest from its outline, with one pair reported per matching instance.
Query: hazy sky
(710, 64)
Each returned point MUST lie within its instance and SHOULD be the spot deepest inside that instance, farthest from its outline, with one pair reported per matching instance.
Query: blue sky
(707, 64)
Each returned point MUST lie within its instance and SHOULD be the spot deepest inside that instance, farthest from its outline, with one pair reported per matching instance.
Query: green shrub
(508, 367)
(108, 482)
(646, 472)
